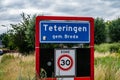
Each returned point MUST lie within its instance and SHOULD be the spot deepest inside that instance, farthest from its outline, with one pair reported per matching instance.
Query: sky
(10, 10)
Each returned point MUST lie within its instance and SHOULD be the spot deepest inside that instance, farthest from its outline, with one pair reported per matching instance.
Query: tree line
(107, 31)
(22, 35)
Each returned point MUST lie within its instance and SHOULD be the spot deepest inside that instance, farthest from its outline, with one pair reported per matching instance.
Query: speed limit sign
(64, 62)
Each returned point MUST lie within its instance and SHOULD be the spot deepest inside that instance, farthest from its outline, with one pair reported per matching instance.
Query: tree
(4, 38)
(30, 33)
(7, 40)
(100, 31)
(23, 34)
(114, 30)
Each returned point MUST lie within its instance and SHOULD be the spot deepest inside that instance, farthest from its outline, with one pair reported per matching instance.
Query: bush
(115, 48)
(102, 47)
(106, 47)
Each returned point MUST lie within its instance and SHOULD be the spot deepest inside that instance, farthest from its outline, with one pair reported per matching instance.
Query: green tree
(114, 30)
(19, 37)
(5, 39)
(100, 31)
(30, 33)
(22, 35)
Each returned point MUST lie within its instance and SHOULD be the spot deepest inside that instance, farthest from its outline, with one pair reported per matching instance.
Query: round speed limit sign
(65, 62)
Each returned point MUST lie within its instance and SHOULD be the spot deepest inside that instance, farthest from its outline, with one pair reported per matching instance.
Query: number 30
(67, 62)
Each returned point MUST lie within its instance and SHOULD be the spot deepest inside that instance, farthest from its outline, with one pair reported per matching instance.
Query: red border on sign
(65, 69)
(37, 41)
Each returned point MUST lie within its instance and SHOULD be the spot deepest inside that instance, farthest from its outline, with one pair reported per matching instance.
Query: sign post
(65, 63)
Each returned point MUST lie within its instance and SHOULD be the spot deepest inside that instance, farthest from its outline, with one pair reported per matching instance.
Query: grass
(107, 67)
(17, 67)
(107, 64)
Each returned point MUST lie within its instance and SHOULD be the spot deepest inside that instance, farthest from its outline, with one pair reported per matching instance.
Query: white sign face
(65, 62)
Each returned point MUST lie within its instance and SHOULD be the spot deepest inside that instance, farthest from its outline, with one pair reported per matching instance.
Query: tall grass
(17, 67)
(107, 67)
(109, 72)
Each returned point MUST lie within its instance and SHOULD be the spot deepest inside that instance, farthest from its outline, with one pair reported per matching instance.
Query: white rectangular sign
(65, 63)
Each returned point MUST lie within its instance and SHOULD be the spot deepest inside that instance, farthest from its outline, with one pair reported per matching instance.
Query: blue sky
(10, 10)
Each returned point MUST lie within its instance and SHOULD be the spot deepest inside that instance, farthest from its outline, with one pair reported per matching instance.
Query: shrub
(115, 48)
(107, 47)
(102, 47)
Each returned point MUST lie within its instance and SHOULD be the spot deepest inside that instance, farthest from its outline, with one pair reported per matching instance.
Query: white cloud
(10, 10)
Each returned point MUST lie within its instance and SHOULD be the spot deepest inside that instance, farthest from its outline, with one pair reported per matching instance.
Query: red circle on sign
(65, 69)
